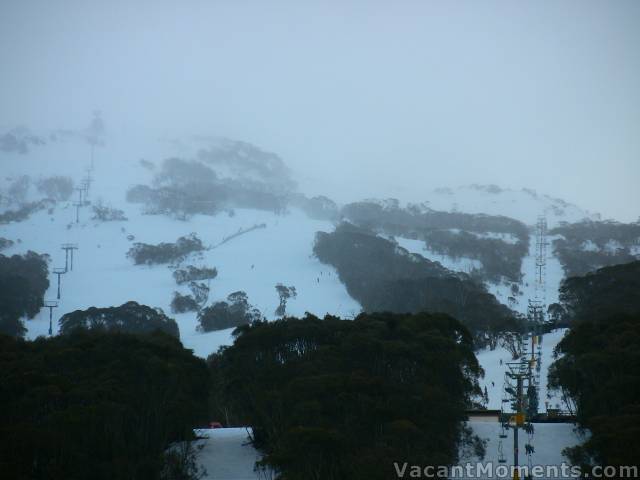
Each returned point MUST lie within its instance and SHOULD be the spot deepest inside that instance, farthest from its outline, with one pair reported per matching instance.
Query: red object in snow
(215, 425)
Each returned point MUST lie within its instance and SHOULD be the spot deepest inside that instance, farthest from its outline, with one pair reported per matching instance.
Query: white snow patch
(226, 454)
(524, 205)
(612, 246)
(505, 237)
(458, 264)
(589, 246)
(549, 440)
(554, 274)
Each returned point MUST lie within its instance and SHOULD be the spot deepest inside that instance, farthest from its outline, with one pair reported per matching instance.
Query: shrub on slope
(143, 253)
(191, 273)
(236, 311)
(183, 303)
(107, 214)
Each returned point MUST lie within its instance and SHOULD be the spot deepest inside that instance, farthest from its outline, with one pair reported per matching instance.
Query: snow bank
(226, 454)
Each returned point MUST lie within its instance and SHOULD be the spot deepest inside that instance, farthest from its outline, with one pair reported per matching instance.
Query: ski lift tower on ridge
(51, 304)
(68, 254)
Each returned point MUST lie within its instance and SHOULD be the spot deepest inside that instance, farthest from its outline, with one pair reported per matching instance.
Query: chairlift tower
(80, 191)
(517, 380)
(541, 259)
(536, 310)
(86, 184)
(59, 272)
(51, 304)
(79, 203)
(522, 378)
(68, 254)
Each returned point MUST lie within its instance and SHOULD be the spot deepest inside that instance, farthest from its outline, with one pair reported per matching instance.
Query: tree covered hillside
(96, 405)
(599, 371)
(130, 317)
(333, 399)
(588, 245)
(600, 294)
(455, 234)
(385, 277)
(23, 283)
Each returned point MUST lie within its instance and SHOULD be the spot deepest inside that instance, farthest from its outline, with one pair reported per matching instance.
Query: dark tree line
(598, 373)
(130, 317)
(499, 259)
(599, 294)
(450, 233)
(24, 211)
(96, 405)
(382, 276)
(334, 399)
(23, 283)
(585, 246)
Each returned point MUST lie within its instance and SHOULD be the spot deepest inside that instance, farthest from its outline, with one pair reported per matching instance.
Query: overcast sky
(360, 98)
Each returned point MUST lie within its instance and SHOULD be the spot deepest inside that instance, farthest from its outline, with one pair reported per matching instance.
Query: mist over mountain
(318, 240)
(484, 231)
(360, 98)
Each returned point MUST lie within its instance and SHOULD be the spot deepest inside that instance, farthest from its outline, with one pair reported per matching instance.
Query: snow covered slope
(459, 264)
(225, 454)
(494, 364)
(254, 262)
(524, 205)
(502, 290)
(554, 274)
(103, 276)
(548, 441)
(279, 253)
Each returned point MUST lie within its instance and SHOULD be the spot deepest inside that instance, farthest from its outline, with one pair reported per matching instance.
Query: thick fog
(361, 99)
